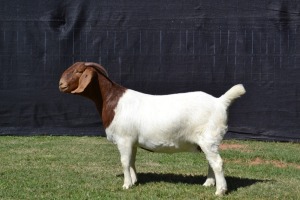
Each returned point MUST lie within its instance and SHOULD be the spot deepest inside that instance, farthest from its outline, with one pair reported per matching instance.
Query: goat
(184, 122)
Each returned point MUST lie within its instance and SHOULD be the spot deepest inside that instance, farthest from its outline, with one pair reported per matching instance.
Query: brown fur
(91, 81)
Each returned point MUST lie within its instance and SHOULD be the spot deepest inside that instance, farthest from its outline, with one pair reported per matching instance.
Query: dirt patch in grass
(276, 163)
(152, 164)
(260, 161)
(239, 147)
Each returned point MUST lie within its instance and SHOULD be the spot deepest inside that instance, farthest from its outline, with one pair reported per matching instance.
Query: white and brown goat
(158, 123)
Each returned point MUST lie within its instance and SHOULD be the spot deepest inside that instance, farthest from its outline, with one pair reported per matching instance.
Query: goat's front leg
(126, 152)
(132, 165)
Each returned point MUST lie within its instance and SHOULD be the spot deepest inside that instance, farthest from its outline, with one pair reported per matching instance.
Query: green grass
(89, 168)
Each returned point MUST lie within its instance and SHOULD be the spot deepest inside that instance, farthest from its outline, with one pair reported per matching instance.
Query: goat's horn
(96, 65)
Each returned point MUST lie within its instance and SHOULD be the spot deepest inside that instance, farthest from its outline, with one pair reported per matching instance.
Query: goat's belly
(168, 147)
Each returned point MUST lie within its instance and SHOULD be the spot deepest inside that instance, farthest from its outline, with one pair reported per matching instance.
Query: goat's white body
(172, 123)
(167, 123)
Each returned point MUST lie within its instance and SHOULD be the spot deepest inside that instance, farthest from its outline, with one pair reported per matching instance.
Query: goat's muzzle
(63, 87)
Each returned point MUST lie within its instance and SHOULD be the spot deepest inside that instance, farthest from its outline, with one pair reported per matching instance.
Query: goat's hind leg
(216, 164)
(210, 180)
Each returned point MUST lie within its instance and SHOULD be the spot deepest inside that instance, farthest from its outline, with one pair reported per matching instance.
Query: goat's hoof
(209, 183)
(127, 186)
(221, 192)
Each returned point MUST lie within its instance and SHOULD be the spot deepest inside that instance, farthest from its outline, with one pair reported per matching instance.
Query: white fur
(172, 123)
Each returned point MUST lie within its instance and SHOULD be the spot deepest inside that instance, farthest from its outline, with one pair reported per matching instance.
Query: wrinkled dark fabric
(156, 47)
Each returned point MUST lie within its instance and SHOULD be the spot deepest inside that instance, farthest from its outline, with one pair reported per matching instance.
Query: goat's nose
(61, 83)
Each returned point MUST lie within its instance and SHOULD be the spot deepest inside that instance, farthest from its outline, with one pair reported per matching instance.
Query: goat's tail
(233, 93)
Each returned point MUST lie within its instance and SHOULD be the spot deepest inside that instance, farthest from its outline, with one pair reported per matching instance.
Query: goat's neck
(110, 93)
(92, 94)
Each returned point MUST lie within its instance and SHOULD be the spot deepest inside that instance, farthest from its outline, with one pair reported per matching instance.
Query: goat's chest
(110, 137)
(117, 134)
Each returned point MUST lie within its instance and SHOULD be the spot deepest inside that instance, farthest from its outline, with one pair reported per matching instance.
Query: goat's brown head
(76, 78)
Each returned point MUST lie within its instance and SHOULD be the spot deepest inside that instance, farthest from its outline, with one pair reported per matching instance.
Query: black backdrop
(156, 47)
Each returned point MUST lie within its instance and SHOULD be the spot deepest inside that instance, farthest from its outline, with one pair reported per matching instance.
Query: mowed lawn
(45, 167)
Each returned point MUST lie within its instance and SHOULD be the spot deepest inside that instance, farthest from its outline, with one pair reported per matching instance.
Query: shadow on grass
(233, 183)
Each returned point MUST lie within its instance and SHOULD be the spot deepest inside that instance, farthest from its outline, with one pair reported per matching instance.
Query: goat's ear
(84, 80)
